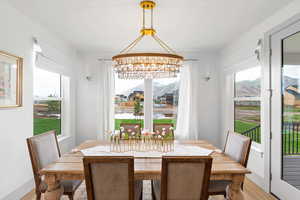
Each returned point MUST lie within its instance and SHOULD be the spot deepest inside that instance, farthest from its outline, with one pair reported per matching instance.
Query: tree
(53, 106)
(137, 107)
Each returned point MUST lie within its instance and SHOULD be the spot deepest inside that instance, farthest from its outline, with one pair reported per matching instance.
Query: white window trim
(65, 112)
(65, 107)
(231, 72)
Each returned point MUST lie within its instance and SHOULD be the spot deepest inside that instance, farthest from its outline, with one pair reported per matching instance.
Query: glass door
(285, 145)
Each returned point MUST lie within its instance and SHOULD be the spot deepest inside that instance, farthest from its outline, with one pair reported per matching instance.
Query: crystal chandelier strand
(147, 65)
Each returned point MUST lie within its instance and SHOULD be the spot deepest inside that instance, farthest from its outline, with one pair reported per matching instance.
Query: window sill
(63, 138)
(257, 150)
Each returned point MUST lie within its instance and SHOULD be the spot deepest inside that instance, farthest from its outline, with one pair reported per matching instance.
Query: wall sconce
(88, 73)
(88, 78)
(258, 49)
(207, 78)
(36, 46)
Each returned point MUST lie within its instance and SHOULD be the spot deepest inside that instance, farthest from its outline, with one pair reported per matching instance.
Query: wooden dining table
(70, 167)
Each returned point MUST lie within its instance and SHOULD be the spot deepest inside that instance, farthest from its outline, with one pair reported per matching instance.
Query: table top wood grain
(70, 165)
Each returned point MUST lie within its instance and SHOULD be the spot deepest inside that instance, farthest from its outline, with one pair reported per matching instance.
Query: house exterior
(167, 98)
(292, 96)
(135, 95)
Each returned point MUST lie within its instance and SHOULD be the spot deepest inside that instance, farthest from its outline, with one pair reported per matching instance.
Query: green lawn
(242, 126)
(42, 125)
(157, 121)
(291, 146)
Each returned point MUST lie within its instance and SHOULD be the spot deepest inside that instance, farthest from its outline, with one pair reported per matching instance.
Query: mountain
(287, 81)
(158, 89)
(131, 90)
(252, 88)
(248, 88)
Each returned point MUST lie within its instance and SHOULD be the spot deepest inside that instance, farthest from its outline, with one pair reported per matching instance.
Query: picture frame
(11, 77)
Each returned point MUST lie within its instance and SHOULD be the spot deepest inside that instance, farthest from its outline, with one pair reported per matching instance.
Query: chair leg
(38, 195)
(71, 196)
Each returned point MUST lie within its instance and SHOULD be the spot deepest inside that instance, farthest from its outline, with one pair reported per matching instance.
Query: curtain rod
(189, 59)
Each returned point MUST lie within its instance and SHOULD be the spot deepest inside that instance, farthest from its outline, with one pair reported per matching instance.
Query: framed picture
(10, 80)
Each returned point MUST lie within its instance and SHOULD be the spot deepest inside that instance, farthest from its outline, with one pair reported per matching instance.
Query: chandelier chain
(152, 18)
(144, 18)
(163, 45)
(129, 47)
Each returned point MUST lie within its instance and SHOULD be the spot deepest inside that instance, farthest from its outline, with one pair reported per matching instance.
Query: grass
(291, 146)
(157, 121)
(42, 125)
(242, 126)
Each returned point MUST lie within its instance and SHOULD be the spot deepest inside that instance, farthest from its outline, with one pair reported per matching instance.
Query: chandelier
(147, 65)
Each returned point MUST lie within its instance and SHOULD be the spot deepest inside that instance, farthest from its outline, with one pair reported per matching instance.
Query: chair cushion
(46, 149)
(70, 185)
(156, 189)
(218, 186)
(236, 147)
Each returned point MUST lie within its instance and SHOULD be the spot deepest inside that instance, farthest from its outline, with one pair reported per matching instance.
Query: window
(165, 100)
(247, 103)
(47, 101)
(132, 99)
(129, 102)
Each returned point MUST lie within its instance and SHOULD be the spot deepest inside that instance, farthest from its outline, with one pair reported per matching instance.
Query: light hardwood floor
(252, 192)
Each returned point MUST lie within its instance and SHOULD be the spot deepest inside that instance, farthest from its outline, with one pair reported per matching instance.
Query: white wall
(208, 101)
(241, 50)
(17, 124)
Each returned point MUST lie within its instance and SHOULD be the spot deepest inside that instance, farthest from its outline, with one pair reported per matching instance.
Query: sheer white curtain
(187, 121)
(106, 89)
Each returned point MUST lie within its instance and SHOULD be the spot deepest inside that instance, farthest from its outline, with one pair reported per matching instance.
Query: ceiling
(186, 25)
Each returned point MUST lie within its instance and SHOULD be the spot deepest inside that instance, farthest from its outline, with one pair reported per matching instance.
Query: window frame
(64, 113)
(235, 98)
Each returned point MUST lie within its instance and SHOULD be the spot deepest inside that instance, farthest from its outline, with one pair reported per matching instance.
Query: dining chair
(130, 128)
(111, 178)
(183, 178)
(237, 147)
(168, 127)
(44, 150)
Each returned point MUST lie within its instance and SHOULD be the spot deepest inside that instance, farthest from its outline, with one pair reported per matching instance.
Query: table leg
(234, 191)
(54, 189)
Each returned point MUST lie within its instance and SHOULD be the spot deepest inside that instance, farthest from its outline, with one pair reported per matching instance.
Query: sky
(46, 83)
(250, 74)
(292, 71)
(122, 85)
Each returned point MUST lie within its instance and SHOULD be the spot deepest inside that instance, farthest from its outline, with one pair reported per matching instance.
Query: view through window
(165, 100)
(247, 103)
(130, 101)
(47, 101)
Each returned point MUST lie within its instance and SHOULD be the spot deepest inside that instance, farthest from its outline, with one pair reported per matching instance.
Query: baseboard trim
(20, 191)
(258, 180)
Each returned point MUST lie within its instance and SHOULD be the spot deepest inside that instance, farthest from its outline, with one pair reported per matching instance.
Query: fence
(290, 138)
(253, 133)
